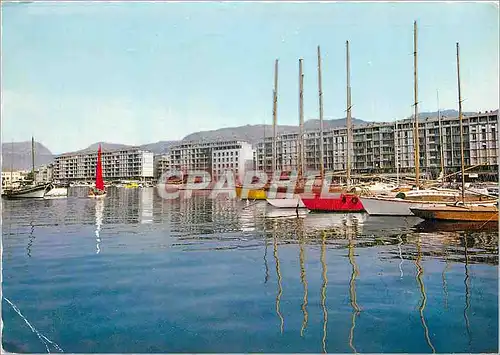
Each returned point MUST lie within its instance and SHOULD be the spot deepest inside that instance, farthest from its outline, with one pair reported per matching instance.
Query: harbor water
(133, 273)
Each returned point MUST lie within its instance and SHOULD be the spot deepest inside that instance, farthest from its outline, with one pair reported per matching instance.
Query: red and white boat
(342, 202)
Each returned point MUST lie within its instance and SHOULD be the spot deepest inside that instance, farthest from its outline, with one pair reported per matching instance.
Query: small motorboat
(295, 202)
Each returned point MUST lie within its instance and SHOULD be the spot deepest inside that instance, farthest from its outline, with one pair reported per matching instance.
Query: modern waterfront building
(161, 164)
(117, 164)
(215, 157)
(375, 145)
(45, 173)
(9, 178)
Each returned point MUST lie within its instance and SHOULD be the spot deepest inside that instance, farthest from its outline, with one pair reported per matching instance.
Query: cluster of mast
(300, 143)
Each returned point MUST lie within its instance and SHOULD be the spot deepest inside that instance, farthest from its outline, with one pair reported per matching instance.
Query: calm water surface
(134, 273)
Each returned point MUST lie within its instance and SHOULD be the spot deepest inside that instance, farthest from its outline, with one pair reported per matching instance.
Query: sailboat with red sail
(99, 190)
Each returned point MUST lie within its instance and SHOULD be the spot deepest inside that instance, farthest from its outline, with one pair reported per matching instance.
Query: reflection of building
(146, 205)
(374, 146)
(125, 163)
(215, 157)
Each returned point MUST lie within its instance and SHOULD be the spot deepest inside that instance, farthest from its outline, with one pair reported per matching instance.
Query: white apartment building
(215, 157)
(44, 173)
(374, 146)
(118, 164)
(234, 156)
(8, 177)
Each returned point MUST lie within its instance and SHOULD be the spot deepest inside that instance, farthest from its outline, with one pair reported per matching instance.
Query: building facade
(378, 147)
(161, 164)
(117, 164)
(45, 173)
(215, 157)
(9, 178)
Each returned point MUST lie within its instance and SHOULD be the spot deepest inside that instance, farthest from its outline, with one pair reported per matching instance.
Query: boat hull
(58, 192)
(375, 206)
(294, 202)
(342, 203)
(96, 193)
(458, 213)
(33, 192)
(380, 206)
(259, 194)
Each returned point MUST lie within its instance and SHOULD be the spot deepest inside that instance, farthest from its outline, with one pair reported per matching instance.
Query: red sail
(99, 182)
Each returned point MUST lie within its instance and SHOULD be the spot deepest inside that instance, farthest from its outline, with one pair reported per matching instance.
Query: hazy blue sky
(77, 73)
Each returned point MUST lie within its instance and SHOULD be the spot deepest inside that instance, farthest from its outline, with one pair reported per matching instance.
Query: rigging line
(42, 337)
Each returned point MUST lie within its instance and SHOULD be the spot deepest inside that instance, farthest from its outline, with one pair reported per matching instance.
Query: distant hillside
(444, 113)
(18, 155)
(255, 133)
(104, 146)
(158, 147)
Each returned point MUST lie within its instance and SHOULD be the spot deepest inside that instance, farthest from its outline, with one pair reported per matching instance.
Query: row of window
(227, 165)
(224, 154)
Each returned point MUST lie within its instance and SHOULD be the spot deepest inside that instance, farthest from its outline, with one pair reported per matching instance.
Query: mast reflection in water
(99, 211)
(420, 272)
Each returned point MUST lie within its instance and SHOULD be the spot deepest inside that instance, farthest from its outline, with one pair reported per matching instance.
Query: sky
(76, 73)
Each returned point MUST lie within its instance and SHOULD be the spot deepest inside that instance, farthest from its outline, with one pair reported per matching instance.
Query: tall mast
(264, 152)
(275, 115)
(415, 124)
(348, 116)
(320, 96)
(33, 158)
(441, 148)
(461, 125)
(301, 119)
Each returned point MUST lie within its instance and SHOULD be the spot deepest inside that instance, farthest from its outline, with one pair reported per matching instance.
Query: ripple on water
(205, 275)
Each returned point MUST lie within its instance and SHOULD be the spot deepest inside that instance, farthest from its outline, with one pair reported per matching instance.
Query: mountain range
(17, 155)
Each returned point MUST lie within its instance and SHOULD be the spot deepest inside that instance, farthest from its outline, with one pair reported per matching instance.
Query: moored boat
(341, 203)
(294, 202)
(28, 191)
(99, 190)
(56, 192)
(473, 213)
(31, 190)
(387, 206)
(257, 194)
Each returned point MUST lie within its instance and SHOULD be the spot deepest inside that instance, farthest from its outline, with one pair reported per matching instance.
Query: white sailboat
(401, 204)
(31, 190)
(295, 201)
